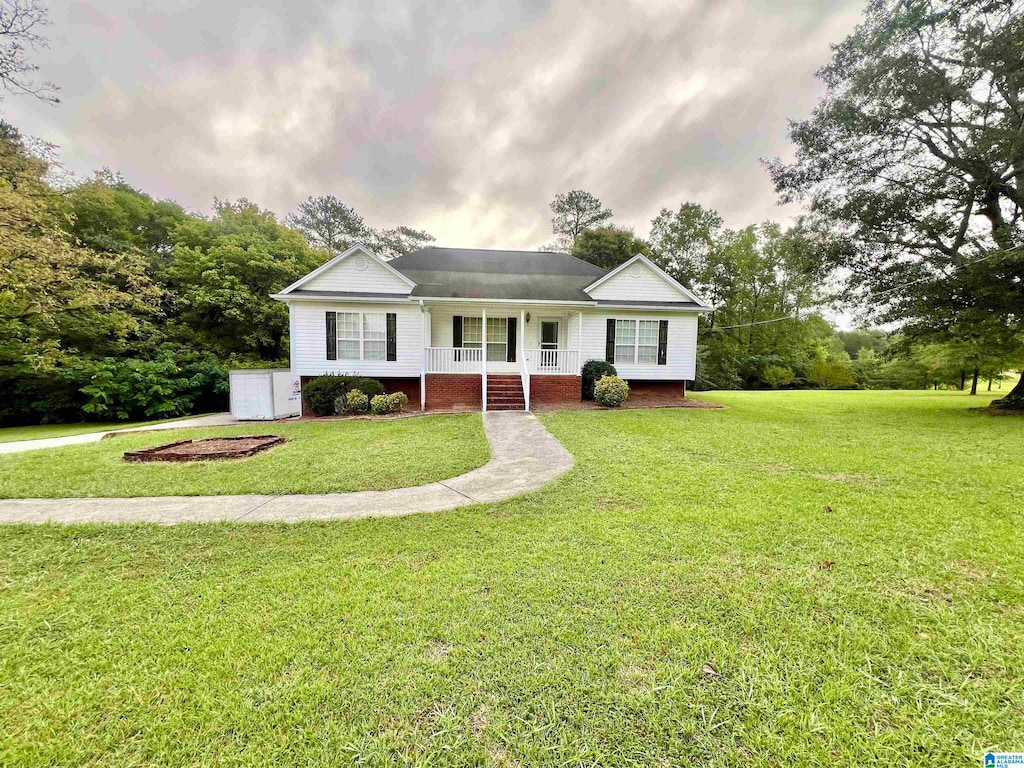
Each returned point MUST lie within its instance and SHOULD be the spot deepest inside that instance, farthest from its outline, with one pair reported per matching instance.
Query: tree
(223, 272)
(20, 24)
(334, 226)
(608, 247)
(915, 160)
(328, 223)
(682, 242)
(576, 212)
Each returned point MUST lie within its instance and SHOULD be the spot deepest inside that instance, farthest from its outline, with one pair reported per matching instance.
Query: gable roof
(686, 293)
(469, 273)
(358, 248)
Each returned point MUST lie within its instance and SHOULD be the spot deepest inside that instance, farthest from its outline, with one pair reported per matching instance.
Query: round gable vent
(636, 270)
(361, 262)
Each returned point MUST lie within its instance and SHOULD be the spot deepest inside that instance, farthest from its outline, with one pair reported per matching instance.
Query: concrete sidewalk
(524, 457)
(212, 420)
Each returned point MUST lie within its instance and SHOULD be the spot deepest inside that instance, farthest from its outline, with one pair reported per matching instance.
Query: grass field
(799, 579)
(40, 431)
(319, 457)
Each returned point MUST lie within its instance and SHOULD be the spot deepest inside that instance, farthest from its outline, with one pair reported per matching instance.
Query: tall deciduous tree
(20, 25)
(915, 158)
(607, 247)
(575, 212)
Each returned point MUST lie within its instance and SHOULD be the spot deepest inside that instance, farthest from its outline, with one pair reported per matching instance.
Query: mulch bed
(206, 449)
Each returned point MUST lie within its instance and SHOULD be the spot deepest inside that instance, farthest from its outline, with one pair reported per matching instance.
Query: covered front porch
(500, 343)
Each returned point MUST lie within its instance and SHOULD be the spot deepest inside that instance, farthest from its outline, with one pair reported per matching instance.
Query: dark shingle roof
(467, 273)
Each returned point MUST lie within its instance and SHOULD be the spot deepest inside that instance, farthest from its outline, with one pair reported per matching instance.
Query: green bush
(355, 402)
(776, 376)
(381, 404)
(369, 387)
(320, 395)
(592, 371)
(398, 401)
(611, 391)
(827, 374)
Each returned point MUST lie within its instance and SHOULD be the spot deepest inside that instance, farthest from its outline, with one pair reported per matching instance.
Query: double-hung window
(637, 342)
(497, 339)
(348, 336)
(473, 332)
(362, 336)
(375, 334)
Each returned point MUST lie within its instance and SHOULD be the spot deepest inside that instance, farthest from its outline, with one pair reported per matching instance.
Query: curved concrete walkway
(211, 420)
(524, 456)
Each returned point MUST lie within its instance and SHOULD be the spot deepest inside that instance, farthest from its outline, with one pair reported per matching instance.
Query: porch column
(579, 342)
(483, 362)
(523, 361)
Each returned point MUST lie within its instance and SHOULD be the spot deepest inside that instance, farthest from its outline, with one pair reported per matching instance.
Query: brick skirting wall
(661, 388)
(555, 389)
(409, 385)
(453, 390)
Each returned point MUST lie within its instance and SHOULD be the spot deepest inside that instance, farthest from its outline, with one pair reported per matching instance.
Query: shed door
(255, 397)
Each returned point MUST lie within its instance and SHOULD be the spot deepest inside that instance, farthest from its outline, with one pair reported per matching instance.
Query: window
(625, 342)
(348, 335)
(497, 339)
(361, 336)
(637, 342)
(472, 332)
(375, 336)
(647, 343)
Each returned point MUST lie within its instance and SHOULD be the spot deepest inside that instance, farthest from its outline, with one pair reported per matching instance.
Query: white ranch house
(489, 329)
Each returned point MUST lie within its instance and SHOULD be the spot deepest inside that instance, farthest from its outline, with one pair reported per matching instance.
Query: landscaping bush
(356, 402)
(398, 401)
(611, 391)
(320, 396)
(776, 376)
(369, 387)
(380, 405)
(592, 371)
(831, 375)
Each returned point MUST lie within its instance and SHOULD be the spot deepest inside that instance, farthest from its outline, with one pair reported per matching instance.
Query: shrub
(611, 391)
(381, 404)
(320, 396)
(398, 401)
(128, 388)
(369, 387)
(831, 375)
(356, 402)
(776, 376)
(592, 371)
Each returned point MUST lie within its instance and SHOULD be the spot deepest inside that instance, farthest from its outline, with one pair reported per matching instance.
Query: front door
(549, 343)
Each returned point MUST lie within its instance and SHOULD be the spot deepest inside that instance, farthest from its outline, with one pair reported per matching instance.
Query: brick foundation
(655, 388)
(409, 385)
(454, 390)
(555, 389)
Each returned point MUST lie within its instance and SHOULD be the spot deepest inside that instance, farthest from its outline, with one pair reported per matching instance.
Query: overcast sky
(461, 118)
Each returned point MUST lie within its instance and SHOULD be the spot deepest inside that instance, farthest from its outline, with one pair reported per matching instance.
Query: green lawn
(40, 431)
(319, 457)
(800, 579)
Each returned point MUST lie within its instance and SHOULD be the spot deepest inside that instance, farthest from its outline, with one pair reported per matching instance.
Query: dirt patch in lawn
(206, 449)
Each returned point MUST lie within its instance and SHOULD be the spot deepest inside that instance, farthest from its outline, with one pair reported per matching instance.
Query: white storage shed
(265, 394)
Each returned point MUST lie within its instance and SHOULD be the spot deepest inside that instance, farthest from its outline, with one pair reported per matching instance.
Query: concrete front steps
(505, 393)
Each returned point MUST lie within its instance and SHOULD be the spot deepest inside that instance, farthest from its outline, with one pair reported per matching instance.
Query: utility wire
(874, 295)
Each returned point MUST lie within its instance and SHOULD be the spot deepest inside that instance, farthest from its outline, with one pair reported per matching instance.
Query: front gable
(639, 279)
(356, 270)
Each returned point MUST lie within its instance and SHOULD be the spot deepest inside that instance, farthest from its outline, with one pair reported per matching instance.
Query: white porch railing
(563, 362)
(454, 359)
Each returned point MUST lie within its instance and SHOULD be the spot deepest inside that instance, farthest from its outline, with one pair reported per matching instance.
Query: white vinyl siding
(681, 350)
(346, 275)
(638, 282)
(309, 340)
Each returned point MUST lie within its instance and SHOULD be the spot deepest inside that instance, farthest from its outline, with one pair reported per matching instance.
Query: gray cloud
(463, 119)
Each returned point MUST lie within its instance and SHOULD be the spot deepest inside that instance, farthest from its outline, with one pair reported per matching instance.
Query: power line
(873, 295)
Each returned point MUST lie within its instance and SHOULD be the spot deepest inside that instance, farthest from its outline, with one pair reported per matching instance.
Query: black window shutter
(392, 336)
(332, 335)
(511, 357)
(663, 342)
(457, 331)
(609, 341)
